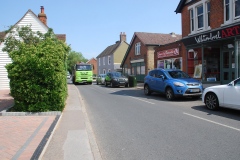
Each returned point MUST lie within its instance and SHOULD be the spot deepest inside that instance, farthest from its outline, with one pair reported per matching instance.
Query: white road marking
(212, 121)
(139, 99)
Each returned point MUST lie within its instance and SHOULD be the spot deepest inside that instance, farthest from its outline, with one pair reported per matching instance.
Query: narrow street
(129, 125)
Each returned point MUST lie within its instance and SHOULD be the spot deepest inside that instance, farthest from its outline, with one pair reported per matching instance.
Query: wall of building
(93, 62)
(131, 55)
(120, 52)
(216, 16)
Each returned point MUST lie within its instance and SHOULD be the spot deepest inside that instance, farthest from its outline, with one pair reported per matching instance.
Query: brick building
(140, 56)
(93, 62)
(211, 37)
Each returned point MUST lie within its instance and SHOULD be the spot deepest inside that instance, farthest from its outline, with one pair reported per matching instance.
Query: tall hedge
(38, 71)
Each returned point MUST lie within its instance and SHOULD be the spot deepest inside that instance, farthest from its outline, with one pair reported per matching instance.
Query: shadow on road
(222, 112)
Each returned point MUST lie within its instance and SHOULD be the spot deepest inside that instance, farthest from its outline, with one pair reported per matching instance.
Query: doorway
(228, 66)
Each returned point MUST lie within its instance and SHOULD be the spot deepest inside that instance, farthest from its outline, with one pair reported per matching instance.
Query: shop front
(214, 57)
(169, 59)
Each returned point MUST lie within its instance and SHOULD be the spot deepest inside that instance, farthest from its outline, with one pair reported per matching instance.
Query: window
(208, 13)
(109, 70)
(192, 20)
(237, 9)
(137, 48)
(109, 60)
(99, 62)
(103, 60)
(104, 71)
(199, 16)
(231, 11)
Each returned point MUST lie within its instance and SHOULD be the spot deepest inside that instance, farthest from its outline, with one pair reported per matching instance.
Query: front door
(228, 66)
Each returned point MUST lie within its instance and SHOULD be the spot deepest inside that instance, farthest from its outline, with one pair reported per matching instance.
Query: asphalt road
(131, 126)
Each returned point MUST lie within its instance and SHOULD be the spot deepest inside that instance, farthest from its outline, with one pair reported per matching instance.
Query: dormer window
(137, 48)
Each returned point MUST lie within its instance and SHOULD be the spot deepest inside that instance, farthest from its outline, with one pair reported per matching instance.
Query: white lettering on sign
(210, 37)
(168, 53)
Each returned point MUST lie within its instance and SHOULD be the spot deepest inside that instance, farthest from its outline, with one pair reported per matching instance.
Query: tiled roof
(153, 39)
(109, 50)
(157, 38)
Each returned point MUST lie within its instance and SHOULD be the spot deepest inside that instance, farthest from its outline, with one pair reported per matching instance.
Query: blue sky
(92, 25)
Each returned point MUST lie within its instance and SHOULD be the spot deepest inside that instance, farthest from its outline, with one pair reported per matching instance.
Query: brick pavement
(20, 136)
(23, 137)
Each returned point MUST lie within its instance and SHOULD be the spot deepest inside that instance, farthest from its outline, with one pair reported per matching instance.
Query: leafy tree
(73, 58)
(38, 70)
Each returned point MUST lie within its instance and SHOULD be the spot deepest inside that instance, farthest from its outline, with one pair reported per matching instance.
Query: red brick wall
(216, 16)
(94, 63)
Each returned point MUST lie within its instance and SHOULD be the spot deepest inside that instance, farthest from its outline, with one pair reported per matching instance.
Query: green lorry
(82, 73)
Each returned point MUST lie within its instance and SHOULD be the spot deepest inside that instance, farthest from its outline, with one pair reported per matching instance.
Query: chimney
(122, 37)
(173, 34)
(42, 16)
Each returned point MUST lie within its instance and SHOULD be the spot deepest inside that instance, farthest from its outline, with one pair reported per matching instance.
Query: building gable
(30, 19)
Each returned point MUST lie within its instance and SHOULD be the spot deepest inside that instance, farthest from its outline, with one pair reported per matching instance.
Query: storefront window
(211, 64)
(174, 63)
(143, 70)
(177, 63)
(160, 64)
(194, 62)
(168, 63)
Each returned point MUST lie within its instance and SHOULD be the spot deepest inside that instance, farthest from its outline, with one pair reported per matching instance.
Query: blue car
(173, 83)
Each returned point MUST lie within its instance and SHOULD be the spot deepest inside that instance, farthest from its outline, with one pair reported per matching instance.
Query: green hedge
(38, 76)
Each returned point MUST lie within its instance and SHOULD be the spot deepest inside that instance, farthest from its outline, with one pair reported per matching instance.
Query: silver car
(100, 79)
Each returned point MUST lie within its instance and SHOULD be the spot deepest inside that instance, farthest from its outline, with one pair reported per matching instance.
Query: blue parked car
(173, 83)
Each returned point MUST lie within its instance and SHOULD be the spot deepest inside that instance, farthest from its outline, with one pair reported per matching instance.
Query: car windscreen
(178, 74)
(83, 67)
(117, 74)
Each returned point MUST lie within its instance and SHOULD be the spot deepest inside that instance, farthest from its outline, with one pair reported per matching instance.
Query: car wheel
(147, 90)
(126, 85)
(106, 84)
(111, 84)
(211, 101)
(169, 94)
(97, 82)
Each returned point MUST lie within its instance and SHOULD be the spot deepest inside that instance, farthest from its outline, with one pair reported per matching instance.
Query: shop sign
(168, 53)
(213, 36)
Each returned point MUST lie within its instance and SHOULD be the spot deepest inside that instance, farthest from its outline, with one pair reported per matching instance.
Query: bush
(38, 74)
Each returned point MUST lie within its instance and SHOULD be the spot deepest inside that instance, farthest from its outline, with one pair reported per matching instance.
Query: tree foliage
(73, 58)
(38, 70)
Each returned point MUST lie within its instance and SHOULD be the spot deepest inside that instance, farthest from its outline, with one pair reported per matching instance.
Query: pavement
(47, 135)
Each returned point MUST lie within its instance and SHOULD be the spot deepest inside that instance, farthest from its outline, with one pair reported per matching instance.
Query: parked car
(173, 83)
(101, 79)
(116, 79)
(222, 95)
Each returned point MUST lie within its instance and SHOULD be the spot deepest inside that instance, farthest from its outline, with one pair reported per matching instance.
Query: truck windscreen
(83, 67)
